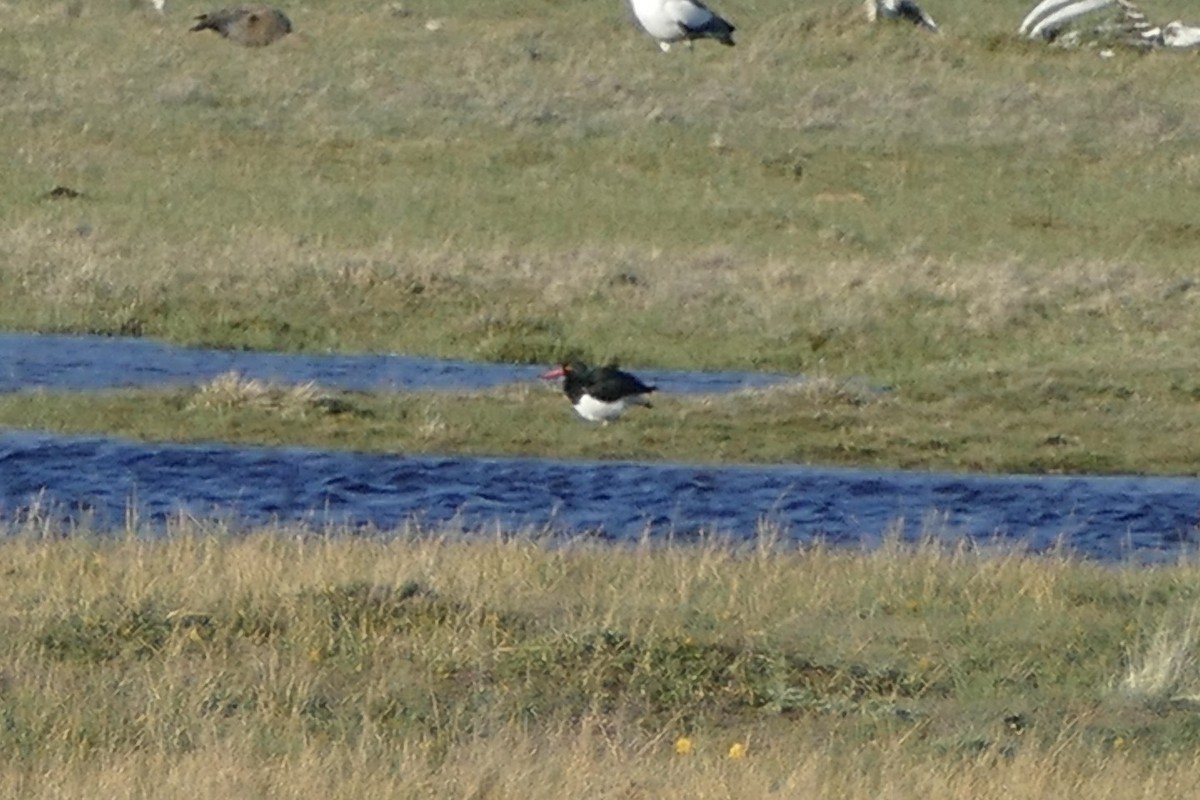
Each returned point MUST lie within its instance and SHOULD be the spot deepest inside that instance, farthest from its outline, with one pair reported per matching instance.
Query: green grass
(126, 658)
(520, 180)
(1022, 423)
(1000, 230)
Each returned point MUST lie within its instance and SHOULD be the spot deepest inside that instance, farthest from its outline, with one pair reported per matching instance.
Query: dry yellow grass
(293, 663)
(230, 391)
(1168, 671)
(588, 763)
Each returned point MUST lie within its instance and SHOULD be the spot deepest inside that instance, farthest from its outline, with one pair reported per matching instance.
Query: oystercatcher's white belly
(595, 410)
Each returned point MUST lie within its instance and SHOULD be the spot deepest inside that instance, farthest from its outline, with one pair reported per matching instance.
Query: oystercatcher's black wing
(609, 384)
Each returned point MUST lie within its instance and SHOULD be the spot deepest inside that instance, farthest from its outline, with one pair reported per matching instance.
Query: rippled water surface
(102, 479)
(96, 362)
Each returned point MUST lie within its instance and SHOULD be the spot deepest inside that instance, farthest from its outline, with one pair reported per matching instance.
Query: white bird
(671, 21)
(1049, 16)
(899, 9)
(1176, 34)
(1137, 24)
(1173, 34)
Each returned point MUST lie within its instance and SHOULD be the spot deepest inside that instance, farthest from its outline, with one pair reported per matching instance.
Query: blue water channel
(87, 363)
(101, 482)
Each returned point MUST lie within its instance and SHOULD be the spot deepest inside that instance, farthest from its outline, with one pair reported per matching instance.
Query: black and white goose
(600, 394)
(900, 9)
(671, 21)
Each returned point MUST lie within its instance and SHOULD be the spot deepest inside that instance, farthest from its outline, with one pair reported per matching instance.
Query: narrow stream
(99, 481)
(89, 363)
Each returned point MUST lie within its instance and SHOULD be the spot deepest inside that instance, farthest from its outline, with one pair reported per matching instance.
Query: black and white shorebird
(600, 394)
(901, 10)
(671, 21)
(250, 26)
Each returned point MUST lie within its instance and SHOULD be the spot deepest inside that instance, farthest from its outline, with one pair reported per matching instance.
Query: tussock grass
(230, 391)
(297, 663)
(1169, 669)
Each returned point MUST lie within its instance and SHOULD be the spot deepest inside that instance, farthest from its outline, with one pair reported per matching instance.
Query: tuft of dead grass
(230, 391)
(1168, 669)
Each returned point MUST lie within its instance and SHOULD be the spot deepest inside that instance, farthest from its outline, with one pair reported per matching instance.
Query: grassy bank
(1035, 423)
(287, 663)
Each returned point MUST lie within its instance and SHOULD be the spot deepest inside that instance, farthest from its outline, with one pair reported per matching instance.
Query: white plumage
(1049, 16)
(671, 21)
(1176, 34)
(595, 410)
(899, 9)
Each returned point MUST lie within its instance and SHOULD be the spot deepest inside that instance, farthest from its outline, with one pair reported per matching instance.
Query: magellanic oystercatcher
(250, 26)
(600, 394)
(671, 21)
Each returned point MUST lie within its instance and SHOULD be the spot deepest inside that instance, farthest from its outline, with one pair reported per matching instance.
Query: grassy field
(533, 178)
(1002, 232)
(995, 228)
(292, 664)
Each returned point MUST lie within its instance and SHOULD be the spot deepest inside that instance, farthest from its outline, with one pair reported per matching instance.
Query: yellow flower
(1118, 743)
(737, 750)
(683, 745)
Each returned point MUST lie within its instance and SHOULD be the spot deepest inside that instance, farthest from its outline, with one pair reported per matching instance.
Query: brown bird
(250, 26)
